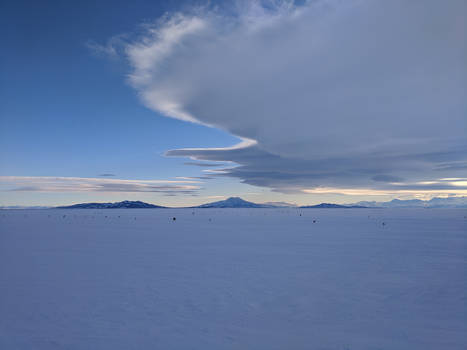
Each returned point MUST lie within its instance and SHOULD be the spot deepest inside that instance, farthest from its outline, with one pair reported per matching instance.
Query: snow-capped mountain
(234, 202)
(450, 202)
(116, 205)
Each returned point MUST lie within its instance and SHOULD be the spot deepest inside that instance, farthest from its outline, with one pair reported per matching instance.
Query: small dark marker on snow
(174, 218)
(314, 221)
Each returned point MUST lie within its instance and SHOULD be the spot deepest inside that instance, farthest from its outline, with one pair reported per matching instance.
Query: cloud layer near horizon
(87, 184)
(367, 94)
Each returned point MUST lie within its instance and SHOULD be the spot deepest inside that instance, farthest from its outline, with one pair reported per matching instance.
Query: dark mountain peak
(116, 205)
(233, 202)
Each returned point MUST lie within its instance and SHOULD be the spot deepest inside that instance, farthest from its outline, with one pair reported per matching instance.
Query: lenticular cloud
(330, 93)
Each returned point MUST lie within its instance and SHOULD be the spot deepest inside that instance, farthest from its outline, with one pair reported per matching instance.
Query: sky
(185, 102)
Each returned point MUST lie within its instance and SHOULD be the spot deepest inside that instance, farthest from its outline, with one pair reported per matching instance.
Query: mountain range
(232, 202)
(117, 205)
(332, 206)
(237, 202)
(449, 202)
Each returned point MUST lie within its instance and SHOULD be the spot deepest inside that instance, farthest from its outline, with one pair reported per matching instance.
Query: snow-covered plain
(233, 279)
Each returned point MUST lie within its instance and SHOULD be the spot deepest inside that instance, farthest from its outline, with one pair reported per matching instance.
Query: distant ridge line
(237, 202)
(116, 205)
(332, 206)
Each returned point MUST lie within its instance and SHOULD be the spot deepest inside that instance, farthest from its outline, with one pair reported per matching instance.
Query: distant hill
(449, 202)
(234, 202)
(117, 205)
(332, 206)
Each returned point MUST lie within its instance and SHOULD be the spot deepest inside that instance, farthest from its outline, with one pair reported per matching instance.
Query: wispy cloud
(80, 184)
(202, 164)
(331, 94)
(111, 49)
(393, 192)
(195, 177)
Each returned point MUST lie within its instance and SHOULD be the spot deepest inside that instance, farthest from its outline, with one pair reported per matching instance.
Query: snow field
(233, 279)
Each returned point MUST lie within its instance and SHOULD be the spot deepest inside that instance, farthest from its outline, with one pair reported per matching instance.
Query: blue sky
(327, 110)
(68, 112)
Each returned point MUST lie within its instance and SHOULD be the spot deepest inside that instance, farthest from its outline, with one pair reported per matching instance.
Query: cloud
(107, 175)
(80, 184)
(207, 165)
(204, 177)
(386, 178)
(111, 49)
(330, 94)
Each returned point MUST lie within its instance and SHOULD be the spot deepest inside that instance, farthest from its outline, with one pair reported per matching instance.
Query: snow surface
(233, 279)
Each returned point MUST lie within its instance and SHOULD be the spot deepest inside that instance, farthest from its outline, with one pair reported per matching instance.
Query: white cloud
(394, 192)
(332, 93)
(83, 184)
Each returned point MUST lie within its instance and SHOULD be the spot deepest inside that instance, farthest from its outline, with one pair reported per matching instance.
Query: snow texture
(233, 279)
